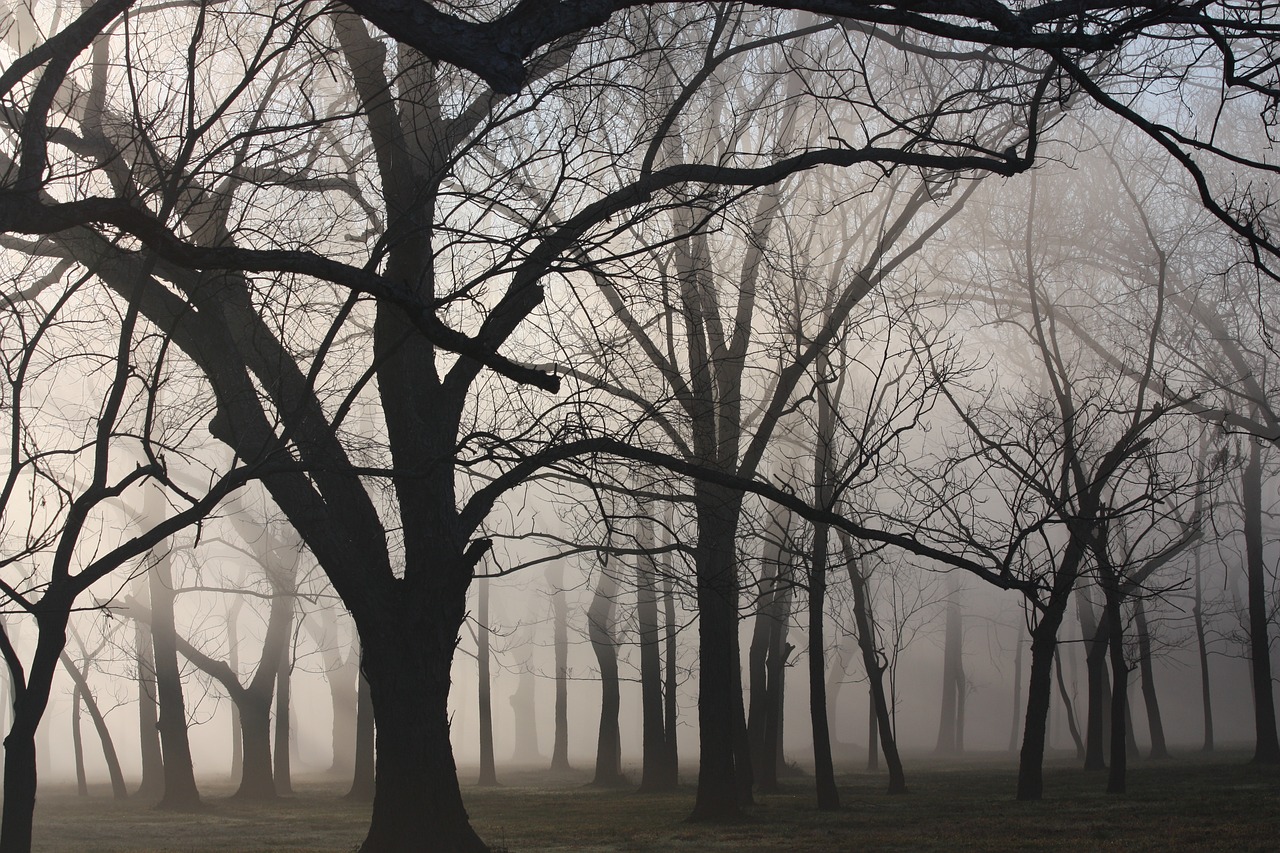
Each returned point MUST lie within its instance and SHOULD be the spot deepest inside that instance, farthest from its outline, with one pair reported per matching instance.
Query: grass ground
(1219, 803)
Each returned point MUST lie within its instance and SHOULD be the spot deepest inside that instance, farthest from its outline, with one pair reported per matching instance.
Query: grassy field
(1191, 803)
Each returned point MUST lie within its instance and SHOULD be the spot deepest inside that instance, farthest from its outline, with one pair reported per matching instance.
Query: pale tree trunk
(670, 682)
(560, 626)
(280, 763)
(1017, 694)
(83, 694)
(233, 661)
(488, 772)
(655, 772)
(872, 663)
(953, 682)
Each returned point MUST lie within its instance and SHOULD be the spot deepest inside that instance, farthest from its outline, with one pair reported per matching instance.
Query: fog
(399, 397)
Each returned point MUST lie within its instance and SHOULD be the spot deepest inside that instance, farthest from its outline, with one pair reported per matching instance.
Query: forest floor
(1192, 802)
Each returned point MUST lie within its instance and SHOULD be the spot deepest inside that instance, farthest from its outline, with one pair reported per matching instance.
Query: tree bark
(30, 701)
(724, 772)
(764, 662)
(824, 771)
(417, 805)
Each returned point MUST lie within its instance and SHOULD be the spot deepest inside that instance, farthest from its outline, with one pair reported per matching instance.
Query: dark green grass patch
(1219, 803)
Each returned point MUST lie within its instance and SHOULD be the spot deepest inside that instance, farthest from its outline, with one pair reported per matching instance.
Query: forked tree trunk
(761, 689)
(1097, 721)
(1044, 643)
(1067, 704)
(119, 790)
(180, 790)
(20, 766)
(865, 627)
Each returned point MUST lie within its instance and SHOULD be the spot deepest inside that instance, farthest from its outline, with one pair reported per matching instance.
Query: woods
(814, 325)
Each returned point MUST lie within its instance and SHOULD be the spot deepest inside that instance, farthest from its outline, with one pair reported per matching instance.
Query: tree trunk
(1067, 704)
(524, 708)
(824, 771)
(1158, 747)
(83, 694)
(949, 736)
(1017, 694)
(654, 775)
(233, 661)
(873, 732)
(283, 725)
(30, 701)
(670, 683)
(1095, 635)
(1267, 745)
(363, 766)
(560, 619)
(488, 772)
(874, 669)
(256, 781)
(724, 769)
(343, 696)
(180, 790)
(766, 657)
(77, 743)
(1202, 649)
(600, 631)
(152, 784)
(408, 652)
(1119, 682)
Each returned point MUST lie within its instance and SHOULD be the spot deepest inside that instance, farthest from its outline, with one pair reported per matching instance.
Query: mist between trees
(822, 375)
